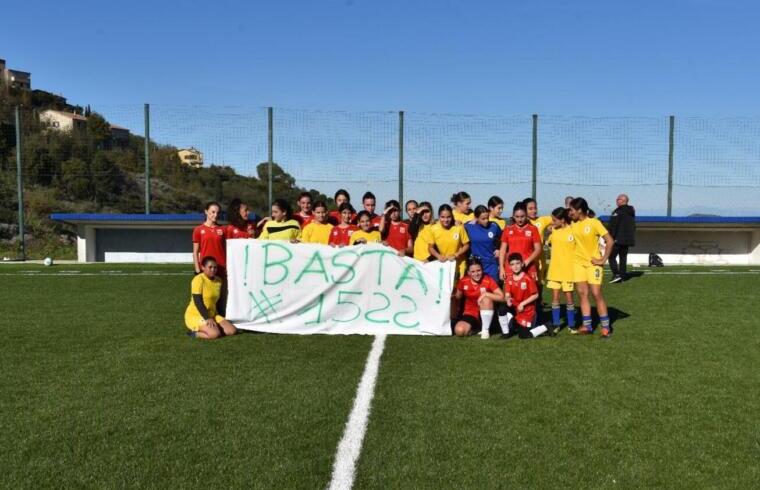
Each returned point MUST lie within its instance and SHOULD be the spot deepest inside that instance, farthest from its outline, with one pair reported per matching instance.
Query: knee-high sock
(504, 321)
(485, 317)
(555, 314)
(571, 315)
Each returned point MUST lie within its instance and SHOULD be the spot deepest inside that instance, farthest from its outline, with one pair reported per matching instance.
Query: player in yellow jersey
(462, 213)
(318, 230)
(203, 316)
(366, 232)
(419, 230)
(495, 208)
(281, 225)
(449, 241)
(588, 263)
(561, 267)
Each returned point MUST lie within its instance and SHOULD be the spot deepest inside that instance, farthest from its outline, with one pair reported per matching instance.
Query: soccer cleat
(606, 333)
(584, 330)
(484, 334)
(191, 334)
(616, 279)
(572, 331)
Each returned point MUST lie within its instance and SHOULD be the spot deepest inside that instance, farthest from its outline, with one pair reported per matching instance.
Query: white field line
(350, 446)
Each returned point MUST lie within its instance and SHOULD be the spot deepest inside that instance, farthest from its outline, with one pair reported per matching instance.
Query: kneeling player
(203, 316)
(479, 291)
(522, 294)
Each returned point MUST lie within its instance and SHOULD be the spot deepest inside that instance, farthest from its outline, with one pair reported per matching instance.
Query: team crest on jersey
(587, 229)
(570, 238)
(455, 236)
(350, 232)
(219, 231)
(203, 231)
(523, 285)
(402, 230)
(528, 233)
(511, 232)
(466, 287)
(490, 234)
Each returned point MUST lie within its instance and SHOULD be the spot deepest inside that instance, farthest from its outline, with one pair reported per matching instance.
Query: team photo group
(502, 264)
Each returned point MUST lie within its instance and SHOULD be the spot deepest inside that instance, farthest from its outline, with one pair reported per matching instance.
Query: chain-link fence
(673, 165)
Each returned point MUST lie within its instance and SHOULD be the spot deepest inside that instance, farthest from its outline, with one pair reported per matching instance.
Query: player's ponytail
(458, 197)
(580, 204)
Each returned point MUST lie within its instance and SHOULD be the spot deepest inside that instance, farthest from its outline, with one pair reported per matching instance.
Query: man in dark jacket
(622, 227)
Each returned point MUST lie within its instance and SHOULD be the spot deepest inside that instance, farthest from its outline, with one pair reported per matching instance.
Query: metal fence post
(401, 158)
(534, 189)
(20, 185)
(147, 158)
(670, 163)
(270, 157)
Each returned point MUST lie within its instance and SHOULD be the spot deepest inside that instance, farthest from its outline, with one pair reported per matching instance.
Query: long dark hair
(387, 227)
(416, 224)
(582, 205)
(233, 214)
(284, 207)
(561, 214)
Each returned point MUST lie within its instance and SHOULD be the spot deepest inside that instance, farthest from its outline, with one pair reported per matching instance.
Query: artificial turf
(102, 389)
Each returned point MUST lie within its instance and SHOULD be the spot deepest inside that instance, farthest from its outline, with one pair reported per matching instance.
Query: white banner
(279, 287)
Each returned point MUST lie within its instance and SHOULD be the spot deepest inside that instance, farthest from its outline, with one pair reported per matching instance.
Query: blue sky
(590, 58)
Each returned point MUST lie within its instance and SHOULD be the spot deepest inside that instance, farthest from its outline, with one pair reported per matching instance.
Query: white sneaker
(484, 334)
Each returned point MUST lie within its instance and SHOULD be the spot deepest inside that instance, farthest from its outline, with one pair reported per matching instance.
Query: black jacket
(622, 225)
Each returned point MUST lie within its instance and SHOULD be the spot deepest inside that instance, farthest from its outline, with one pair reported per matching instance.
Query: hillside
(87, 171)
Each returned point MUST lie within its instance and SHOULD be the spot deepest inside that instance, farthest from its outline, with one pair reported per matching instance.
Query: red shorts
(526, 317)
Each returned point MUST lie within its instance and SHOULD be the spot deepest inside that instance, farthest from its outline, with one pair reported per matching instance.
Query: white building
(62, 121)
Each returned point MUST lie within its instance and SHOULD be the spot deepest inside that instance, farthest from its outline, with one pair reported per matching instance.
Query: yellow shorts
(591, 274)
(565, 286)
(194, 323)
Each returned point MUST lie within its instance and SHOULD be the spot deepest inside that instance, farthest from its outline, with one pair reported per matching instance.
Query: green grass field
(101, 388)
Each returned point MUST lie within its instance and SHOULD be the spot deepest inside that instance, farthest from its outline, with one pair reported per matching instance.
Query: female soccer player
(588, 264)
(449, 241)
(495, 208)
(462, 212)
(419, 231)
(209, 241)
(560, 273)
(520, 237)
(281, 226)
(411, 208)
(366, 232)
(341, 197)
(485, 237)
(305, 213)
(204, 315)
(239, 226)
(521, 293)
(341, 233)
(318, 231)
(479, 292)
(395, 232)
(369, 202)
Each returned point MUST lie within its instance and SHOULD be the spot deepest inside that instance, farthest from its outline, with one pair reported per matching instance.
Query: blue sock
(555, 314)
(587, 321)
(605, 321)
(571, 315)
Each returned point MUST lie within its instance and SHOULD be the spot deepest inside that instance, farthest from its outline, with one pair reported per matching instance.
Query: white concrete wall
(698, 246)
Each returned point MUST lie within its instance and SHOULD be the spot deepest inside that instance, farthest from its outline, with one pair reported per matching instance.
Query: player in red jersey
(239, 226)
(341, 233)
(209, 241)
(479, 292)
(369, 202)
(520, 237)
(305, 213)
(395, 232)
(521, 294)
(341, 197)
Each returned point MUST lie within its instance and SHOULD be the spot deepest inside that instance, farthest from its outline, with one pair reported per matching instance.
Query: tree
(75, 179)
(99, 132)
(107, 179)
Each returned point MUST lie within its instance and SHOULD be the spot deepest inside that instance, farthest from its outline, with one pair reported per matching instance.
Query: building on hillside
(15, 78)
(192, 157)
(119, 135)
(62, 121)
(68, 121)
